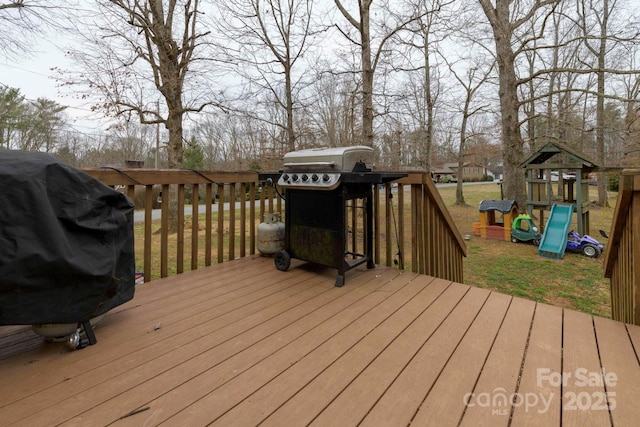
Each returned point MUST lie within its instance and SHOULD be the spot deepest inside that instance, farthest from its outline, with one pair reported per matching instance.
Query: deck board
(618, 357)
(580, 357)
(445, 400)
(330, 366)
(404, 397)
(544, 352)
(501, 369)
(362, 382)
(241, 343)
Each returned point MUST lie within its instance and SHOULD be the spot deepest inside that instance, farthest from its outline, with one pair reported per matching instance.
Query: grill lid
(326, 168)
(323, 168)
(337, 159)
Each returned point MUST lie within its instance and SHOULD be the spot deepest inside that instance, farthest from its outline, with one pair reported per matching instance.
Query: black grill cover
(66, 242)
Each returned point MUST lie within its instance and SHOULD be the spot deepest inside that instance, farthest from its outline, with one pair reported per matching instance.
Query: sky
(33, 76)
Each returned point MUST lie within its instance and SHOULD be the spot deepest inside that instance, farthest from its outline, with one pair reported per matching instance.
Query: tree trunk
(367, 75)
(174, 146)
(174, 155)
(291, 136)
(602, 193)
(514, 182)
(429, 103)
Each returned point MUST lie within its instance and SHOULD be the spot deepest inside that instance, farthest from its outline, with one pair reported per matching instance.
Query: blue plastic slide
(554, 239)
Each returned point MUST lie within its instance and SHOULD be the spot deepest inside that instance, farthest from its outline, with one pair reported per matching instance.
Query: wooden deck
(241, 343)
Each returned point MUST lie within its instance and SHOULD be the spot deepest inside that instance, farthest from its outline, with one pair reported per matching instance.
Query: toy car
(586, 244)
(523, 229)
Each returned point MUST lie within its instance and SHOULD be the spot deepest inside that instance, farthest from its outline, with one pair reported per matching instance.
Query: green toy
(523, 229)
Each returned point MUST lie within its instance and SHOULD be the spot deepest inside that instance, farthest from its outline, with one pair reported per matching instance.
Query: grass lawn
(575, 282)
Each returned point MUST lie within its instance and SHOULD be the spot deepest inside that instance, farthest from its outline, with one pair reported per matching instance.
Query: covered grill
(326, 191)
(66, 243)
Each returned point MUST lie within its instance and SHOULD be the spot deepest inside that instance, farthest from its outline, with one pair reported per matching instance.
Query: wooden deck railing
(622, 256)
(417, 225)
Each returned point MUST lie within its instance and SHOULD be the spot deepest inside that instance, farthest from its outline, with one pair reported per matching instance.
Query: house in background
(496, 172)
(444, 173)
(471, 171)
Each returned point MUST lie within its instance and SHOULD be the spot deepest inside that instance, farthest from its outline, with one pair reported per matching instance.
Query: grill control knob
(314, 177)
(326, 178)
(294, 178)
(285, 177)
(305, 177)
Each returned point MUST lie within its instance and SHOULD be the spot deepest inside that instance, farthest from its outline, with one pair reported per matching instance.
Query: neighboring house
(444, 173)
(497, 172)
(471, 171)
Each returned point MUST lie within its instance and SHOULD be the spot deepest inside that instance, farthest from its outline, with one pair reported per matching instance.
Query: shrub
(614, 181)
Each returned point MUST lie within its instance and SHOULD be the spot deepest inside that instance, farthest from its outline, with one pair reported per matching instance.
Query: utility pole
(157, 131)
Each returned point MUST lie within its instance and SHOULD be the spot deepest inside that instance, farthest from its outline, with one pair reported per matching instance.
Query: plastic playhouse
(496, 217)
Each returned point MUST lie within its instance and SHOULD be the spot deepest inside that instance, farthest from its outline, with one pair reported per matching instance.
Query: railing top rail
(126, 176)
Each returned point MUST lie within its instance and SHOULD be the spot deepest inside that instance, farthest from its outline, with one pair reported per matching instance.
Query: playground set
(552, 160)
(552, 243)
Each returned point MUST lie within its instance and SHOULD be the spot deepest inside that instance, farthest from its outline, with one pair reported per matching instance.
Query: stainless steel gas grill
(327, 192)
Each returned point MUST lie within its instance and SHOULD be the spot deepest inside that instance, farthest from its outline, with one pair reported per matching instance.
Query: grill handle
(310, 165)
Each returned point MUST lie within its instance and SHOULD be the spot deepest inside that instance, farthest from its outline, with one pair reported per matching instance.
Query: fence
(417, 225)
(622, 256)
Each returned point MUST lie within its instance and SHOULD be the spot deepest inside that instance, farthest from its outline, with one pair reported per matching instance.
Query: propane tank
(271, 234)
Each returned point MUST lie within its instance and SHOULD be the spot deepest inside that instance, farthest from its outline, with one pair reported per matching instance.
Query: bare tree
(600, 37)
(266, 41)
(599, 50)
(335, 107)
(475, 76)
(422, 40)
(369, 56)
(23, 21)
(136, 51)
(631, 83)
(132, 139)
(505, 22)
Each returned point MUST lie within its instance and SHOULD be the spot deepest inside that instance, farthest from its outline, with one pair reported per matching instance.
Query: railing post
(148, 209)
(164, 232)
(195, 201)
(180, 242)
(220, 223)
(400, 226)
(232, 221)
(252, 218)
(208, 200)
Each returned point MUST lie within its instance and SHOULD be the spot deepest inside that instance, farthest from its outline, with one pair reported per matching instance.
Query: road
(138, 215)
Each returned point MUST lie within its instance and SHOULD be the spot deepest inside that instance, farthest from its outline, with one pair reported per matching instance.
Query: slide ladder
(554, 239)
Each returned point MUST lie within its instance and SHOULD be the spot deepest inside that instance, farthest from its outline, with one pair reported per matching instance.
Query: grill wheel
(282, 260)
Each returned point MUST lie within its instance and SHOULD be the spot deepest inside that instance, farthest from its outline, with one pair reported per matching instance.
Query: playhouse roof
(553, 148)
(503, 206)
